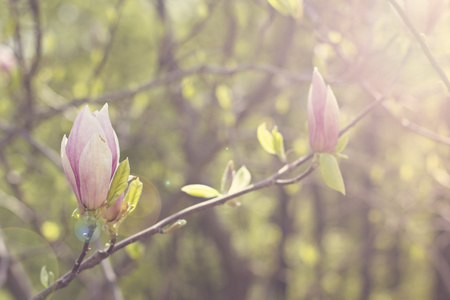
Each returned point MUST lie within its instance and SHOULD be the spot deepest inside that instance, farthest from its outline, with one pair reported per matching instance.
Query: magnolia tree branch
(178, 75)
(274, 179)
(422, 43)
(113, 28)
(411, 126)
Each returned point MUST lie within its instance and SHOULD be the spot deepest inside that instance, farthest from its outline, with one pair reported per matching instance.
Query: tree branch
(274, 179)
(422, 44)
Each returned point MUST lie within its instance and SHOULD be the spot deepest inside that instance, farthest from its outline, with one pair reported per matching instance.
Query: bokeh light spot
(82, 229)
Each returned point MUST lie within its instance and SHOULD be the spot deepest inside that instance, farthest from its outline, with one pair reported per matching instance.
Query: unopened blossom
(90, 157)
(323, 115)
(113, 213)
(7, 59)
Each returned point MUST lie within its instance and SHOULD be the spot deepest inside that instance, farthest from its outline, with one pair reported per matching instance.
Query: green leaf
(133, 194)
(44, 276)
(119, 182)
(342, 143)
(200, 190)
(278, 144)
(265, 138)
(227, 177)
(241, 180)
(76, 214)
(282, 6)
(331, 173)
(51, 277)
(288, 7)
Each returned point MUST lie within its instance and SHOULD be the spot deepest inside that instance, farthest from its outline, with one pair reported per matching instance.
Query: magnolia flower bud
(90, 157)
(323, 115)
(112, 214)
(7, 59)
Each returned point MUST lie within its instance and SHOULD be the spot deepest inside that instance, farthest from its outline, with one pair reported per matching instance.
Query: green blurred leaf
(50, 230)
(224, 96)
(308, 254)
(227, 177)
(76, 214)
(135, 250)
(342, 143)
(200, 190)
(241, 180)
(44, 276)
(282, 6)
(119, 182)
(331, 172)
(51, 278)
(288, 7)
(265, 138)
(278, 144)
(133, 194)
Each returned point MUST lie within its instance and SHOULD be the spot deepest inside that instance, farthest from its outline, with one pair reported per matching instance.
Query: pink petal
(104, 121)
(111, 213)
(95, 172)
(312, 128)
(318, 96)
(331, 121)
(83, 128)
(68, 169)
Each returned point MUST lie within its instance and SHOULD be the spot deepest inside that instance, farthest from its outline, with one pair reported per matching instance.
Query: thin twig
(413, 127)
(175, 76)
(34, 4)
(112, 34)
(112, 243)
(422, 44)
(297, 178)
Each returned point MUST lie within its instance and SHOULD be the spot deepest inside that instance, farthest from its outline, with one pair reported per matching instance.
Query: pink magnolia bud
(323, 115)
(112, 214)
(7, 59)
(90, 157)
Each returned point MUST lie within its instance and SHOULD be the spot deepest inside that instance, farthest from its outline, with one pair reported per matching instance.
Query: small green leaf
(241, 180)
(341, 156)
(278, 144)
(342, 143)
(331, 173)
(51, 277)
(76, 214)
(265, 138)
(133, 194)
(119, 182)
(175, 226)
(200, 190)
(227, 177)
(44, 276)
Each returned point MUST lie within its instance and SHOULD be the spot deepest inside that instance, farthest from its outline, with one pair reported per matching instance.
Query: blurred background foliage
(188, 82)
